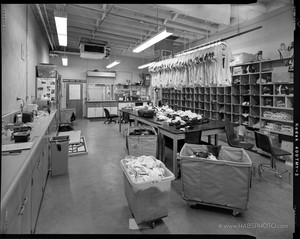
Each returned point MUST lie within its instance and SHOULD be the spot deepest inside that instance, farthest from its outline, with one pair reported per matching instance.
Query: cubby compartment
(267, 89)
(235, 89)
(227, 90)
(235, 99)
(207, 106)
(220, 90)
(227, 99)
(213, 90)
(207, 90)
(236, 80)
(236, 109)
(289, 102)
(215, 115)
(227, 108)
(206, 113)
(236, 119)
(207, 98)
(245, 100)
(267, 101)
(253, 78)
(266, 77)
(227, 117)
(213, 98)
(214, 106)
(244, 80)
(279, 102)
(254, 111)
(220, 98)
(245, 90)
(254, 101)
(254, 89)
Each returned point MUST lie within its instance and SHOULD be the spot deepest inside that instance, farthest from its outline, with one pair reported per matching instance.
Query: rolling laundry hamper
(149, 200)
(139, 145)
(221, 183)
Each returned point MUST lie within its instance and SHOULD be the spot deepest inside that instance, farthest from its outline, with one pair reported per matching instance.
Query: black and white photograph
(150, 119)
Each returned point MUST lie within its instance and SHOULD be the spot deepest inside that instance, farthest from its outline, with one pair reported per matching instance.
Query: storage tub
(148, 201)
(224, 182)
(139, 145)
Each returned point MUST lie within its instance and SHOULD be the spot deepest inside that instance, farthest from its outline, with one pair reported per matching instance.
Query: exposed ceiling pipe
(41, 15)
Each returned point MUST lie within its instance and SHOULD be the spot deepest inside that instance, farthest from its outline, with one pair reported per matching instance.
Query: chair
(236, 143)
(194, 138)
(263, 142)
(109, 117)
(233, 142)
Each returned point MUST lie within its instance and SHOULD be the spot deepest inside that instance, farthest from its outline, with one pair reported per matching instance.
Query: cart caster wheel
(235, 213)
(152, 224)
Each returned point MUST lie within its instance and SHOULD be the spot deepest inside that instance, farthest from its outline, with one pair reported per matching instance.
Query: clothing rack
(215, 41)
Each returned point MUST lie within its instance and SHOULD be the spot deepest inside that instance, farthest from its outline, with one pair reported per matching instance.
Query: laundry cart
(224, 182)
(149, 200)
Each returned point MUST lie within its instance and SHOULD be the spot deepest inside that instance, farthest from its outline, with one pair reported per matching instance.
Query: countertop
(13, 166)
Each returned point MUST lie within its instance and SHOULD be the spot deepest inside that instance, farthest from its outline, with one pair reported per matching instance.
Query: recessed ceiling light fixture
(153, 40)
(61, 27)
(116, 62)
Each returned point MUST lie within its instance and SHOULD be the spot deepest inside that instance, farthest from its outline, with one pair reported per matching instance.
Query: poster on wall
(46, 89)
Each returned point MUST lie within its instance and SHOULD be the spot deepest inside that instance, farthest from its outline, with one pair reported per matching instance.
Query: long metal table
(213, 127)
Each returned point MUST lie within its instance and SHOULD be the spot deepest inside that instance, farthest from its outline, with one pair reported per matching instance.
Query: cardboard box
(243, 57)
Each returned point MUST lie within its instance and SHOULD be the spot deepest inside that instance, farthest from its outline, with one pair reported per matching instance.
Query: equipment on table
(263, 142)
(146, 113)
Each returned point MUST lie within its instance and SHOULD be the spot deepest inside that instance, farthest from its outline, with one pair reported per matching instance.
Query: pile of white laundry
(144, 168)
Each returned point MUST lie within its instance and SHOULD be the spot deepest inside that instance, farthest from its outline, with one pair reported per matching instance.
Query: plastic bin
(148, 201)
(222, 183)
(139, 145)
(59, 155)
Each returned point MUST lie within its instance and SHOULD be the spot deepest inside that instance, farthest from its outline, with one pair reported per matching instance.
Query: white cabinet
(100, 112)
(19, 222)
(93, 112)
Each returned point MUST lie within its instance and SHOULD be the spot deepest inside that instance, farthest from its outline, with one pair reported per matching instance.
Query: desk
(213, 127)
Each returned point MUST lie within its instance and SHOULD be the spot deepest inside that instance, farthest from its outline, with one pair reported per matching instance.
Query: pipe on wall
(41, 15)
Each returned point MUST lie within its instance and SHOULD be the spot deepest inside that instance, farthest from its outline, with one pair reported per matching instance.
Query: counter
(13, 166)
(95, 108)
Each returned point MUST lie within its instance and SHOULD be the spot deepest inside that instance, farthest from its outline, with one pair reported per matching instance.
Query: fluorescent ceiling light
(156, 38)
(145, 65)
(61, 27)
(64, 60)
(113, 64)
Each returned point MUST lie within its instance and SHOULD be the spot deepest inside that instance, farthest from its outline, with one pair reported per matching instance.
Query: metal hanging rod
(218, 40)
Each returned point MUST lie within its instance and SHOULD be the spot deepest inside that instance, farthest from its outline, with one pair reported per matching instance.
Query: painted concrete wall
(22, 47)
(277, 27)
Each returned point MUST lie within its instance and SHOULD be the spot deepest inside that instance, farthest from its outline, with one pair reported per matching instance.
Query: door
(74, 98)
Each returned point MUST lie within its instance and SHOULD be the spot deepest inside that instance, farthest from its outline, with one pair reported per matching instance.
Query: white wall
(277, 27)
(22, 48)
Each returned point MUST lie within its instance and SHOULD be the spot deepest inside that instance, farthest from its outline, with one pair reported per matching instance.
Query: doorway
(74, 98)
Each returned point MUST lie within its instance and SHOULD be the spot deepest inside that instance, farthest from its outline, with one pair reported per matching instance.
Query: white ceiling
(124, 26)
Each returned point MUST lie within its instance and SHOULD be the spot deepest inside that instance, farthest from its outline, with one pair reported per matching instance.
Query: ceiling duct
(93, 51)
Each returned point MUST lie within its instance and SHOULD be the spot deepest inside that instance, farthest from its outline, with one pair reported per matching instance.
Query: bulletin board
(46, 88)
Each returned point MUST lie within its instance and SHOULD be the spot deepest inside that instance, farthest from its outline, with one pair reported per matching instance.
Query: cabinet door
(14, 227)
(44, 166)
(25, 210)
(36, 193)
(99, 112)
(91, 112)
(113, 110)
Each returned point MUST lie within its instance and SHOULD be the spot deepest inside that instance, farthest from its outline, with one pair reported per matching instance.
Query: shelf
(284, 121)
(277, 108)
(277, 132)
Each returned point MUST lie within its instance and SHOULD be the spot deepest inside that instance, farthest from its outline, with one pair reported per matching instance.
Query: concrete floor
(90, 199)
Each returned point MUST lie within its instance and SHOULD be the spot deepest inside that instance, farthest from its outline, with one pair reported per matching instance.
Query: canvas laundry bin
(149, 200)
(224, 182)
(139, 145)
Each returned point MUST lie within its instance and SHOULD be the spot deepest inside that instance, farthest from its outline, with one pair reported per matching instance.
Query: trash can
(59, 155)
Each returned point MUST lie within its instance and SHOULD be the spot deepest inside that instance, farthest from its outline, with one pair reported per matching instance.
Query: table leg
(209, 139)
(120, 121)
(216, 139)
(175, 168)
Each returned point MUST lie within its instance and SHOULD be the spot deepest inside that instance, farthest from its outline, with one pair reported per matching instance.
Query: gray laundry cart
(148, 201)
(222, 183)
